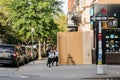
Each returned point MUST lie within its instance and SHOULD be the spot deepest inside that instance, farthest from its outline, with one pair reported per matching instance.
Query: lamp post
(32, 30)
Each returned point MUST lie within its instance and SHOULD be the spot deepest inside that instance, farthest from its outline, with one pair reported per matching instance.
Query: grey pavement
(76, 72)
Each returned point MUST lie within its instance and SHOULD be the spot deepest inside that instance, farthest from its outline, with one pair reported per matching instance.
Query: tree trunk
(39, 52)
(44, 46)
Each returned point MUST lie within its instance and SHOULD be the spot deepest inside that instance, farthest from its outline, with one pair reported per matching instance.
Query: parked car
(10, 54)
(33, 52)
(26, 54)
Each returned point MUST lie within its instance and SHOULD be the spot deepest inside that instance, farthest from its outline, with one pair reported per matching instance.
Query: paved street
(39, 71)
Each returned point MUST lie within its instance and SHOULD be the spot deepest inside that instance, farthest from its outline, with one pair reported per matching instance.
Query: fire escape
(74, 17)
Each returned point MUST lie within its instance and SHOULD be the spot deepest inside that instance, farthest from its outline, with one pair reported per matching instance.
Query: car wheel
(23, 62)
(26, 60)
(17, 64)
(37, 57)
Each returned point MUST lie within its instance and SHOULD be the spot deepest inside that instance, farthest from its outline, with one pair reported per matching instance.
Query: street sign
(98, 18)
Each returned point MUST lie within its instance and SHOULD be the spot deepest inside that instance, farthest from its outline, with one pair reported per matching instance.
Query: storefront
(110, 32)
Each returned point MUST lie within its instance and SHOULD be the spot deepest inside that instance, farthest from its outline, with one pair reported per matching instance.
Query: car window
(6, 48)
(23, 48)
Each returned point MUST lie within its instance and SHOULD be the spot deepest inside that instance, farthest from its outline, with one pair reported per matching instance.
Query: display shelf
(111, 40)
(112, 52)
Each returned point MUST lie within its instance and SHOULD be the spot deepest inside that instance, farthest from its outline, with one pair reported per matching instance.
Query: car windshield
(6, 48)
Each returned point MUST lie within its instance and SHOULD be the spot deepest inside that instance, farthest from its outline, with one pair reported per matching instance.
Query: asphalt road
(32, 78)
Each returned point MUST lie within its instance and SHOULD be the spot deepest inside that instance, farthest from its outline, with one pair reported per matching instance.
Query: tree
(61, 20)
(3, 12)
(37, 14)
(6, 33)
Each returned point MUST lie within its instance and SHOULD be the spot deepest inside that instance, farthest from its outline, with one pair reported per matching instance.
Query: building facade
(79, 15)
(81, 10)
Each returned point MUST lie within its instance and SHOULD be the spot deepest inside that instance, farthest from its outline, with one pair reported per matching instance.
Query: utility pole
(99, 19)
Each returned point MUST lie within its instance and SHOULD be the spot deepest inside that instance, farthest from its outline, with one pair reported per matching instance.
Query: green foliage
(61, 20)
(5, 29)
(37, 14)
(3, 13)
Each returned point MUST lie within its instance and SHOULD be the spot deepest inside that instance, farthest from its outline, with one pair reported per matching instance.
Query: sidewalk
(39, 68)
